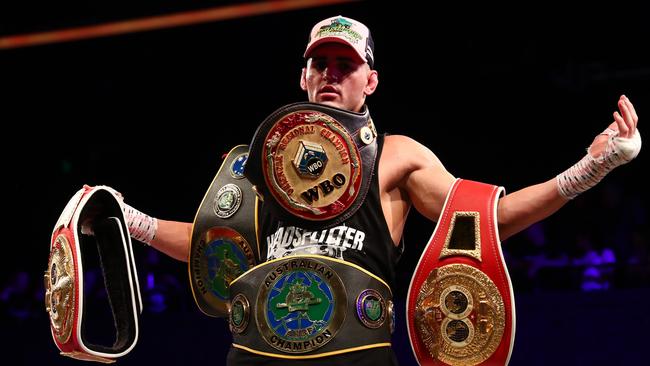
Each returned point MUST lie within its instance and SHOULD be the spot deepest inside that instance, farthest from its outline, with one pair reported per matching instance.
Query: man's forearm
(173, 239)
(519, 210)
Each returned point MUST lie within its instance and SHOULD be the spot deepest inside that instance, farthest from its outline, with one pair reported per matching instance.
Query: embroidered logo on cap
(340, 27)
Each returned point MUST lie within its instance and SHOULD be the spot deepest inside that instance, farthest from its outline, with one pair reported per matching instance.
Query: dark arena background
(508, 95)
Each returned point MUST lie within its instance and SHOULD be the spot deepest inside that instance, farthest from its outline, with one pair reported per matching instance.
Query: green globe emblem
(373, 308)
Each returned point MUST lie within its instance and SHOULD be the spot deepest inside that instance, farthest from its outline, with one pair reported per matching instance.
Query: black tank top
(363, 239)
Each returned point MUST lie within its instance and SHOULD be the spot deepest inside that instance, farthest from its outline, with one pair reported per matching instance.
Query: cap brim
(312, 46)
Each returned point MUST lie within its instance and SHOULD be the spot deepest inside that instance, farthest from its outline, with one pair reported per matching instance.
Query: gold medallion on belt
(60, 289)
(460, 315)
(312, 165)
(301, 305)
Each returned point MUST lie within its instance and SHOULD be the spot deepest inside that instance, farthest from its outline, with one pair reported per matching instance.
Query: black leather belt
(309, 306)
(224, 242)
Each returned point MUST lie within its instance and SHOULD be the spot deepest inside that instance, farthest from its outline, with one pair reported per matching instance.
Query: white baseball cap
(340, 29)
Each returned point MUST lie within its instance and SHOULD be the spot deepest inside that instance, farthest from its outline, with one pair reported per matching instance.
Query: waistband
(309, 306)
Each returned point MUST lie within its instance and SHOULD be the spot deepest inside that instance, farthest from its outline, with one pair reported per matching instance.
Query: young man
(339, 73)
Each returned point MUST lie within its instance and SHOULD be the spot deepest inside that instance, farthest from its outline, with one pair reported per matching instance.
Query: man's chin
(331, 103)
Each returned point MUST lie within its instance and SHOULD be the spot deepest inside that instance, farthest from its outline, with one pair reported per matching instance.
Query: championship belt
(100, 209)
(313, 163)
(309, 306)
(460, 304)
(224, 241)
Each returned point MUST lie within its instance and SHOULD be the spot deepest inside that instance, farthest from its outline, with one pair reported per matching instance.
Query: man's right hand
(623, 127)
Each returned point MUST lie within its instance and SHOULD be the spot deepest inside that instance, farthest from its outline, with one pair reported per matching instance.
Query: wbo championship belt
(99, 209)
(224, 241)
(313, 163)
(460, 303)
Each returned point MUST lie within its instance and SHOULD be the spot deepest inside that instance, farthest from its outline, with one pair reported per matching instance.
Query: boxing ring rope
(161, 22)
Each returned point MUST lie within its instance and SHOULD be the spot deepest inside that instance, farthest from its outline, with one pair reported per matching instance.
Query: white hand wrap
(589, 171)
(142, 227)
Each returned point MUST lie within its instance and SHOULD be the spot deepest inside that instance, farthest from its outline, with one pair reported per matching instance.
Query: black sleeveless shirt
(363, 239)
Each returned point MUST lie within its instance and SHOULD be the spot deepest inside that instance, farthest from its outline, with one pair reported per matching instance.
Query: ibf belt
(309, 306)
(460, 304)
(224, 243)
(312, 163)
(99, 209)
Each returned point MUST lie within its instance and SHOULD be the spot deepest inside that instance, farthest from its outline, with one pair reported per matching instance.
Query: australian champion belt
(224, 240)
(460, 304)
(99, 209)
(313, 163)
(309, 306)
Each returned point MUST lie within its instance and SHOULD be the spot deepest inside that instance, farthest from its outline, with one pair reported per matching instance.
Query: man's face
(335, 76)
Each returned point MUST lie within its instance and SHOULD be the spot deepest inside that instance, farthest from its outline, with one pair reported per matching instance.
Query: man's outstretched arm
(523, 208)
(426, 182)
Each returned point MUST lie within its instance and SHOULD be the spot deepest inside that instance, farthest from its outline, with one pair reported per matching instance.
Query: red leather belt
(460, 304)
(100, 208)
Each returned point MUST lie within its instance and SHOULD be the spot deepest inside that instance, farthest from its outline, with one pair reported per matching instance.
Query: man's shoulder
(399, 157)
(401, 147)
(399, 139)
(405, 154)
(400, 142)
